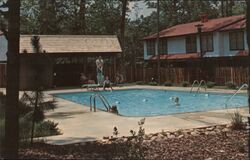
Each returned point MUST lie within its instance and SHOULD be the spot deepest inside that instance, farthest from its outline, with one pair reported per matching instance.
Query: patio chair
(91, 85)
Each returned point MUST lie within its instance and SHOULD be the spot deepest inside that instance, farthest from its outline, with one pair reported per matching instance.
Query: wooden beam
(114, 63)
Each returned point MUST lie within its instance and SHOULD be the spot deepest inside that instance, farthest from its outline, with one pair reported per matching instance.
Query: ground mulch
(224, 145)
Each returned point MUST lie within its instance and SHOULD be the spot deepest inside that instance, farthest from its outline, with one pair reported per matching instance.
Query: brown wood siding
(3, 75)
(219, 70)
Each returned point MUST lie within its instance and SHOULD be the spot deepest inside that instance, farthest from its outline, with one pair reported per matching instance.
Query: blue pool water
(146, 102)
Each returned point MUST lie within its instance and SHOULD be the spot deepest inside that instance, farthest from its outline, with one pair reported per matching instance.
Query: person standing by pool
(99, 70)
(107, 84)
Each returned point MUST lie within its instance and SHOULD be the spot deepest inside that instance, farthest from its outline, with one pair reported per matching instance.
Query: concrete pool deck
(79, 125)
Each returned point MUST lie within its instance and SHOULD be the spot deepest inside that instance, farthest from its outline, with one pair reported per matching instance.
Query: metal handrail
(102, 98)
(105, 100)
(200, 85)
(90, 101)
(229, 99)
(195, 81)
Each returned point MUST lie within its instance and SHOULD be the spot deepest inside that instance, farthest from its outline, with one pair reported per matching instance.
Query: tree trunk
(227, 8)
(122, 37)
(82, 16)
(34, 117)
(248, 42)
(230, 7)
(158, 43)
(12, 89)
(222, 8)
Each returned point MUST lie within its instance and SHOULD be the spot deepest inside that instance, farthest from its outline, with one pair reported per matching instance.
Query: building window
(163, 48)
(151, 47)
(207, 42)
(191, 44)
(236, 40)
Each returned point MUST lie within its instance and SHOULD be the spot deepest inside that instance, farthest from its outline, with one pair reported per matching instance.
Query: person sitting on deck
(83, 79)
(118, 79)
(107, 83)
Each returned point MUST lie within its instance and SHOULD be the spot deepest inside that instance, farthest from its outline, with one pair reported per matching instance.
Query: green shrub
(140, 83)
(168, 83)
(230, 85)
(185, 84)
(46, 128)
(210, 84)
(42, 129)
(153, 83)
(237, 121)
(25, 128)
(137, 150)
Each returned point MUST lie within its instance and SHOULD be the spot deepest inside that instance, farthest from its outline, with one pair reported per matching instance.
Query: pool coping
(79, 125)
(212, 90)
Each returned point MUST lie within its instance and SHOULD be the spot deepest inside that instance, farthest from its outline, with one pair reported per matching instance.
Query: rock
(219, 127)
(158, 138)
(153, 138)
(171, 136)
(105, 137)
(165, 134)
(221, 151)
(212, 132)
(150, 136)
(210, 128)
(180, 136)
(168, 134)
(225, 130)
(208, 158)
(194, 133)
(161, 136)
(155, 134)
(207, 133)
(125, 139)
(217, 130)
(113, 138)
(186, 133)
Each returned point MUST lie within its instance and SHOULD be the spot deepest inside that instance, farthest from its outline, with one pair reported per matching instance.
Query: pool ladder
(199, 86)
(93, 97)
(229, 99)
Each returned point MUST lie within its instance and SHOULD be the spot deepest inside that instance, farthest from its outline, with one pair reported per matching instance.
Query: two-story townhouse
(219, 55)
(220, 37)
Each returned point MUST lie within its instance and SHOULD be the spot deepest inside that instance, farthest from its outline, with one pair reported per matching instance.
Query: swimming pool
(152, 102)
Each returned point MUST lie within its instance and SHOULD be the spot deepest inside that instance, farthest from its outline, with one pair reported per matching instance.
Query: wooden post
(85, 64)
(143, 73)
(114, 65)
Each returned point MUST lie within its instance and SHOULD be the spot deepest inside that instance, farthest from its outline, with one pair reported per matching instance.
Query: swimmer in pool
(175, 100)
